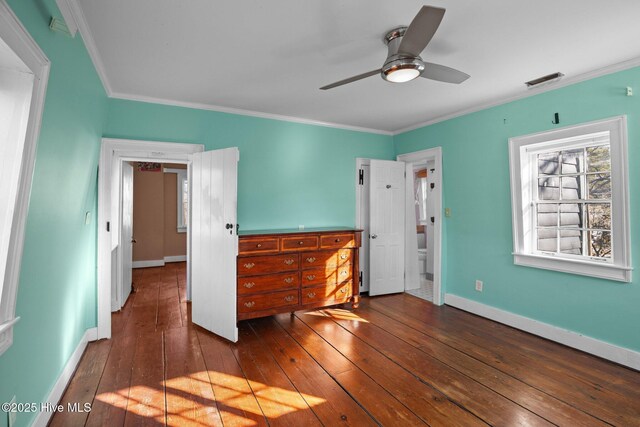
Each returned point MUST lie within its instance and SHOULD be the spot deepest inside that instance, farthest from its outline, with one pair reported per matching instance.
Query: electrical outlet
(629, 91)
(447, 212)
(12, 414)
(479, 285)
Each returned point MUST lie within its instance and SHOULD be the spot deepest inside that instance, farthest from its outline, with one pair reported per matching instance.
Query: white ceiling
(272, 56)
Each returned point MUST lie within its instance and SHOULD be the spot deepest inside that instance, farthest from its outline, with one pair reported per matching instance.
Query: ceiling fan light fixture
(402, 70)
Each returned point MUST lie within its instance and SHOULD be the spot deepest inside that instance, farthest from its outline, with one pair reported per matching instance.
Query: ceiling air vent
(541, 81)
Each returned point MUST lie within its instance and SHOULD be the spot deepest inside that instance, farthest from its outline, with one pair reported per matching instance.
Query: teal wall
(57, 291)
(289, 174)
(479, 235)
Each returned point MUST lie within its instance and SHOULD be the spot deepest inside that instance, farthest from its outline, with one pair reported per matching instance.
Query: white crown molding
(68, 16)
(566, 81)
(612, 352)
(81, 22)
(242, 112)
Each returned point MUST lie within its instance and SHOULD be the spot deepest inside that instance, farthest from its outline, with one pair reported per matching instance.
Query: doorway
(423, 245)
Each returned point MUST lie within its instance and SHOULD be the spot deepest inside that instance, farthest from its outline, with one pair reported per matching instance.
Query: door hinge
(361, 177)
(360, 278)
(108, 226)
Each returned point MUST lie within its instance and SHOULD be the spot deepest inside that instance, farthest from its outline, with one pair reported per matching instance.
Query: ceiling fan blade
(443, 74)
(421, 30)
(351, 79)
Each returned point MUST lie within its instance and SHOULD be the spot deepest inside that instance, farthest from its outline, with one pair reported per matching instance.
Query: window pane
(571, 215)
(571, 242)
(548, 188)
(547, 214)
(571, 188)
(548, 163)
(599, 215)
(600, 244)
(599, 186)
(548, 239)
(598, 159)
(573, 161)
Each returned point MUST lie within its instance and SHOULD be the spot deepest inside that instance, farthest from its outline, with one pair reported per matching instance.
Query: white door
(214, 242)
(386, 225)
(126, 238)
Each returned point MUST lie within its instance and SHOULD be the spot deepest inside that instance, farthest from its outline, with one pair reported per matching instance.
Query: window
(23, 82)
(570, 200)
(421, 199)
(182, 198)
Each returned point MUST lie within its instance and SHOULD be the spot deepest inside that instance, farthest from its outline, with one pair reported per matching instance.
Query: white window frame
(13, 33)
(181, 177)
(522, 170)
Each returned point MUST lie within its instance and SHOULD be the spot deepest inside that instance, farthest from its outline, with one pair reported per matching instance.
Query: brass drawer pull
(249, 265)
(289, 298)
(337, 240)
(311, 276)
(301, 242)
(288, 280)
(249, 304)
(311, 259)
(289, 261)
(311, 294)
(343, 256)
(259, 245)
(249, 285)
(343, 290)
(344, 272)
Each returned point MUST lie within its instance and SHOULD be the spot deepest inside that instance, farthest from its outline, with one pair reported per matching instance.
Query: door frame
(434, 154)
(112, 153)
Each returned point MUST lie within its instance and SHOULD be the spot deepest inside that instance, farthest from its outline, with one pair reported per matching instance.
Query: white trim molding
(69, 16)
(15, 35)
(112, 153)
(43, 417)
(524, 177)
(175, 258)
(148, 263)
(434, 154)
(605, 350)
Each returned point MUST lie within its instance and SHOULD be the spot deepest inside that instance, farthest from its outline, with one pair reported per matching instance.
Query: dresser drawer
(334, 294)
(338, 241)
(258, 245)
(273, 282)
(327, 275)
(301, 243)
(248, 304)
(325, 259)
(255, 265)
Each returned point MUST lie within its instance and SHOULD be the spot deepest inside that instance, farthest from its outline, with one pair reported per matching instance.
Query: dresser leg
(355, 301)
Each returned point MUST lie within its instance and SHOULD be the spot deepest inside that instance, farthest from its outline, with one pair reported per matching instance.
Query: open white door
(126, 238)
(214, 241)
(387, 232)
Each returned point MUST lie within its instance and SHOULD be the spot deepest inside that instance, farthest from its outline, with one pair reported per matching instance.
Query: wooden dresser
(282, 271)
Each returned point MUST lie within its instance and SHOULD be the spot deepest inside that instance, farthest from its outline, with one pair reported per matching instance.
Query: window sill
(6, 334)
(584, 268)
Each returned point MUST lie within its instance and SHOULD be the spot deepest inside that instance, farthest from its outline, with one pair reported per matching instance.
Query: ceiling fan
(405, 45)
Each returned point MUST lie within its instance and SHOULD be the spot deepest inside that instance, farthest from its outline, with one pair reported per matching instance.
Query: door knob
(133, 240)
(374, 236)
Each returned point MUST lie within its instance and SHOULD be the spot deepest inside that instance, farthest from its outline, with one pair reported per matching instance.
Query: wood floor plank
(236, 402)
(189, 396)
(387, 407)
(279, 400)
(82, 388)
(146, 405)
(536, 401)
(337, 408)
(598, 402)
(110, 405)
(440, 409)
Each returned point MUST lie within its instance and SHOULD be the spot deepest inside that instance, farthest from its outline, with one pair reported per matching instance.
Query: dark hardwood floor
(395, 361)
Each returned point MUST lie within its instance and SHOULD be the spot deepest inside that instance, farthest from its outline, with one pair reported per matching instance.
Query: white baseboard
(175, 258)
(43, 417)
(621, 355)
(149, 263)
